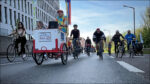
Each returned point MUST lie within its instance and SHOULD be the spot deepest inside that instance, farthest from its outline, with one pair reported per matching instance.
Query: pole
(133, 16)
(134, 19)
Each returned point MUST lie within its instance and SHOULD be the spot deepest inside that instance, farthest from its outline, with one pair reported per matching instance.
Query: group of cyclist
(98, 35)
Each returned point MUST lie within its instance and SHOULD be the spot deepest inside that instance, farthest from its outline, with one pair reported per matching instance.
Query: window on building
(0, 13)
(18, 4)
(10, 13)
(26, 21)
(5, 1)
(22, 18)
(29, 22)
(15, 17)
(19, 16)
(31, 10)
(5, 15)
(36, 11)
(32, 24)
(28, 8)
(22, 5)
(10, 1)
(25, 3)
(40, 14)
(14, 3)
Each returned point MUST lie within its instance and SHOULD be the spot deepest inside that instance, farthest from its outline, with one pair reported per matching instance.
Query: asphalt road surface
(84, 70)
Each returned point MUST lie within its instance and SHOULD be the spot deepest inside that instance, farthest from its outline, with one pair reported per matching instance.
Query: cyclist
(88, 43)
(20, 32)
(76, 34)
(97, 38)
(116, 39)
(62, 21)
(109, 48)
(129, 37)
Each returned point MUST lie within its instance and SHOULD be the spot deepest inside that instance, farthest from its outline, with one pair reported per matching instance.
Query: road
(84, 70)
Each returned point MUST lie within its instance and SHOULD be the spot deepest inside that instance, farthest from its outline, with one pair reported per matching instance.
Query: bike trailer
(48, 39)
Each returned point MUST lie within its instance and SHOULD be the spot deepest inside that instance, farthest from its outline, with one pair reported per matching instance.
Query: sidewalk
(141, 62)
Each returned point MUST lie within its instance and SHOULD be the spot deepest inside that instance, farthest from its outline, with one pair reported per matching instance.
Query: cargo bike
(50, 43)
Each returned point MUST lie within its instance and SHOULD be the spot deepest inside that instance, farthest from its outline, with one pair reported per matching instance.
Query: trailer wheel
(64, 55)
(38, 57)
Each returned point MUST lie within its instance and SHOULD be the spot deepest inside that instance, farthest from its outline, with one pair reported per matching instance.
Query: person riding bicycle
(62, 22)
(97, 38)
(116, 39)
(76, 34)
(109, 48)
(20, 32)
(88, 43)
(129, 37)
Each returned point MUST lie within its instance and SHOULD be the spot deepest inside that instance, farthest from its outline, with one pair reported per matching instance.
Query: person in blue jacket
(129, 37)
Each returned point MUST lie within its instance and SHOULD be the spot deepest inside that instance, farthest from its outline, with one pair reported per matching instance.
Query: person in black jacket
(116, 39)
(97, 38)
(88, 43)
(76, 34)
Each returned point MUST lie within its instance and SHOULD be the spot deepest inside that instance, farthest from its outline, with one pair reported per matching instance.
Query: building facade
(26, 11)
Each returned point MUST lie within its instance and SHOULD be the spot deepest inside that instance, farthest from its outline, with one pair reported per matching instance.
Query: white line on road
(129, 67)
(111, 56)
(11, 63)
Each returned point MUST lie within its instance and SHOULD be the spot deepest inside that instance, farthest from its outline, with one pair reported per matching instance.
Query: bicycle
(100, 49)
(109, 51)
(76, 49)
(131, 50)
(12, 51)
(120, 50)
(88, 48)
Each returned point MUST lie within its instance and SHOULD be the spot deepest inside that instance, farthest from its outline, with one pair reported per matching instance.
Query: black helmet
(75, 25)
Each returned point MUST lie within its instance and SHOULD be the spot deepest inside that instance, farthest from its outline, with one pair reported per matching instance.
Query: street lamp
(133, 15)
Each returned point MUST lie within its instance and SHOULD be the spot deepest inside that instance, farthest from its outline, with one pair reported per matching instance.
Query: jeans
(21, 40)
(99, 44)
(75, 42)
(128, 44)
(62, 36)
(116, 45)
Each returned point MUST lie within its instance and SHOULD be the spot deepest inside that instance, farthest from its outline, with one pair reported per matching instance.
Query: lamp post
(133, 15)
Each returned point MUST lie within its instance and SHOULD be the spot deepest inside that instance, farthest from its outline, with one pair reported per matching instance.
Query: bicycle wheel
(26, 53)
(120, 52)
(88, 52)
(11, 53)
(101, 52)
(39, 57)
(64, 56)
(33, 54)
(131, 52)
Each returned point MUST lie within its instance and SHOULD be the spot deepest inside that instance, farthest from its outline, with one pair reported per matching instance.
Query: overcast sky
(108, 15)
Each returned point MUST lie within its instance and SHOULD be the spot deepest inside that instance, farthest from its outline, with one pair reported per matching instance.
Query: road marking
(129, 67)
(11, 63)
(111, 56)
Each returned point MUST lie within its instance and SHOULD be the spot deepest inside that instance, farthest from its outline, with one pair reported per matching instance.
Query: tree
(146, 28)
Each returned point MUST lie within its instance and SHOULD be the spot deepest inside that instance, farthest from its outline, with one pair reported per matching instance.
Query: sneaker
(24, 55)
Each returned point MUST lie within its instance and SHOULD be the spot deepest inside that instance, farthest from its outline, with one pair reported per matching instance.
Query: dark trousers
(21, 40)
(116, 45)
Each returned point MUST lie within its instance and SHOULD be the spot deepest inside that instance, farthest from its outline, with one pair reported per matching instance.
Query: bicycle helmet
(98, 29)
(75, 25)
